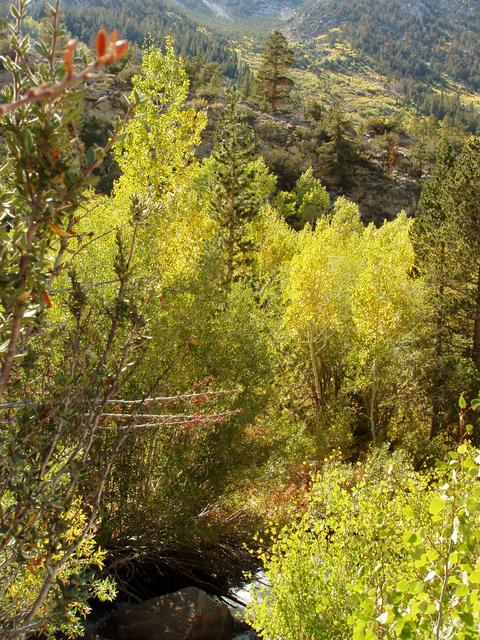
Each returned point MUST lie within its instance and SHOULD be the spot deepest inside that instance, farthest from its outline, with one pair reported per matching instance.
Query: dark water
(241, 598)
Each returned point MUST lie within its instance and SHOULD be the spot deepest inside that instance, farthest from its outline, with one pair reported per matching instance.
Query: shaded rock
(189, 614)
(240, 626)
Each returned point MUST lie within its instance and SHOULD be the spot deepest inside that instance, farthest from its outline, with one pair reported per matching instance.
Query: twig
(172, 421)
(206, 395)
(176, 399)
(70, 79)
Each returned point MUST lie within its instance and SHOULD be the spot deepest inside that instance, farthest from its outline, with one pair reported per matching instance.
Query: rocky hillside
(290, 145)
(435, 40)
(230, 9)
(382, 179)
(381, 172)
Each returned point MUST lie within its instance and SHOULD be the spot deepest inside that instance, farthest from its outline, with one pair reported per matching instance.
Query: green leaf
(416, 587)
(467, 619)
(409, 537)
(474, 578)
(462, 590)
(90, 156)
(436, 505)
(4, 346)
(462, 403)
(403, 586)
(408, 512)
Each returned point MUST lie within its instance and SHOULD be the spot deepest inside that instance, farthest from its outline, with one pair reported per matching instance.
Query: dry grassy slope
(422, 39)
(332, 72)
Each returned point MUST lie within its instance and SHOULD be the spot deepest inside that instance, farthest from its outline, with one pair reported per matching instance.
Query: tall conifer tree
(235, 202)
(274, 85)
(448, 256)
(433, 248)
(467, 231)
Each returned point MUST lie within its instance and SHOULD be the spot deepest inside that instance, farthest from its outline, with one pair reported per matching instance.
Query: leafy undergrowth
(381, 551)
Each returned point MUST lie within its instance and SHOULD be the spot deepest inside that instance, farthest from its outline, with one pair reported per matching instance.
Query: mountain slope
(431, 40)
(135, 19)
(232, 9)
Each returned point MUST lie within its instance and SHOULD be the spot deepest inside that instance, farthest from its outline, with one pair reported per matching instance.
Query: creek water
(259, 586)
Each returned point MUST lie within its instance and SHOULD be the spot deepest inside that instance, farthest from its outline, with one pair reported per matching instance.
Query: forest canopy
(208, 368)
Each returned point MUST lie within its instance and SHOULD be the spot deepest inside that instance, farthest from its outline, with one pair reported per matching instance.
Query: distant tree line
(138, 18)
(442, 42)
(444, 105)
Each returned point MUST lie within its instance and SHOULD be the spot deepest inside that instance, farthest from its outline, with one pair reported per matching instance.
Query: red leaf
(120, 49)
(101, 43)
(45, 299)
(68, 57)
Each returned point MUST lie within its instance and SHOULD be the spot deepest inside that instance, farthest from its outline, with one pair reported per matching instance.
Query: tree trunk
(439, 347)
(476, 328)
(373, 402)
(230, 256)
(316, 375)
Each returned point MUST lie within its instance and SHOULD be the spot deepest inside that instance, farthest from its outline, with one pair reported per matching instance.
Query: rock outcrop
(189, 614)
(290, 145)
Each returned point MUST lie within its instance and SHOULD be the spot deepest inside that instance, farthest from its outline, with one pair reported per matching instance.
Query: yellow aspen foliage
(159, 141)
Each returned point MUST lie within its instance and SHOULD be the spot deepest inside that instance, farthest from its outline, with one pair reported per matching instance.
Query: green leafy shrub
(287, 166)
(61, 361)
(381, 552)
(24, 580)
(380, 125)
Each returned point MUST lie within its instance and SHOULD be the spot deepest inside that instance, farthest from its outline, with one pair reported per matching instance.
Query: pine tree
(235, 202)
(342, 148)
(466, 231)
(433, 249)
(245, 84)
(448, 257)
(274, 86)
